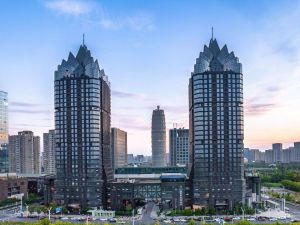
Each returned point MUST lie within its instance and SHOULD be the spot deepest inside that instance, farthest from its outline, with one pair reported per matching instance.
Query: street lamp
(283, 200)
(243, 213)
(49, 213)
(133, 216)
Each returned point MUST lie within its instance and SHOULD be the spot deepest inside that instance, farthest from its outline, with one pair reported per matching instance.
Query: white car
(217, 220)
(167, 221)
(282, 218)
(273, 219)
(236, 218)
(251, 219)
(64, 218)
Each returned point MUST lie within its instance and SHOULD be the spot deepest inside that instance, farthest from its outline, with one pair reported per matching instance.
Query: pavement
(149, 213)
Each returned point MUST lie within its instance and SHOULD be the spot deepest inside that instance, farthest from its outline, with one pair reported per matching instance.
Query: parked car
(273, 219)
(112, 220)
(227, 219)
(251, 219)
(236, 218)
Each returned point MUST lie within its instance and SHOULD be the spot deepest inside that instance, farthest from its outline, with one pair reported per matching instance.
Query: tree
(192, 222)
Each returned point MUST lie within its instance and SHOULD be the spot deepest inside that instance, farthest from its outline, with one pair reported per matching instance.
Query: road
(294, 208)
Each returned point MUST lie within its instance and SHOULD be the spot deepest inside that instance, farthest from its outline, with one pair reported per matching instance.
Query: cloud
(273, 89)
(180, 109)
(28, 108)
(23, 104)
(122, 94)
(141, 21)
(30, 125)
(258, 108)
(30, 111)
(131, 122)
(69, 7)
(263, 101)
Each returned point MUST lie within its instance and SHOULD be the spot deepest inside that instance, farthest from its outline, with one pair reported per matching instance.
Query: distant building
(130, 159)
(296, 154)
(216, 128)
(269, 156)
(286, 155)
(249, 154)
(3, 118)
(179, 146)
(49, 152)
(277, 152)
(118, 147)
(4, 158)
(259, 156)
(167, 158)
(36, 154)
(24, 153)
(140, 159)
(158, 135)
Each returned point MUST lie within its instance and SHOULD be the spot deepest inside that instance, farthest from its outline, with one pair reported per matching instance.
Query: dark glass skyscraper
(216, 128)
(82, 131)
(158, 135)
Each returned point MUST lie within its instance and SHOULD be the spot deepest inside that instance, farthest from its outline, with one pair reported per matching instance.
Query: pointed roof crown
(82, 64)
(212, 58)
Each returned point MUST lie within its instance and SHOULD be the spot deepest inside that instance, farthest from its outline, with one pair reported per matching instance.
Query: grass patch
(272, 185)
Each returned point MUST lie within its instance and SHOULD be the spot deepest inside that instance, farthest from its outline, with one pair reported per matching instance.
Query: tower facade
(179, 146)
(3, 118)
(119, 147)
(158, 135)
(49, 152)
(216, 128)
(82, 131)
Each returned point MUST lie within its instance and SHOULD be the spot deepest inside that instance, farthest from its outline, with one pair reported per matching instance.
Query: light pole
(243, 213)
(283, 201)
(21, 207)
(27, 211)
(133, 216)
(49, 213)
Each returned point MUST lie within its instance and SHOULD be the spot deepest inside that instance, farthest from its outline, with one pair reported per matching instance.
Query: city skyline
(134, 65)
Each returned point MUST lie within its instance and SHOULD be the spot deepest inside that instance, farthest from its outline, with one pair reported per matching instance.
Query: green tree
(192, 222)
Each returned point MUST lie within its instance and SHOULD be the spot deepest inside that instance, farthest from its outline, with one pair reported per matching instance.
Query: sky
(148, 49)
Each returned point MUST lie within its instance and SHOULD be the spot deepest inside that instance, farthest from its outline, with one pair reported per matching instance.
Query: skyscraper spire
(83, 39)
(212, 33)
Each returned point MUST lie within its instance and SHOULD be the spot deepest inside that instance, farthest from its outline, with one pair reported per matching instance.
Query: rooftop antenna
(83, 39)
(212, 33)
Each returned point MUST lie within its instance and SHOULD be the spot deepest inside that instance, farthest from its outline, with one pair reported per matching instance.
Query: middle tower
(158, 134)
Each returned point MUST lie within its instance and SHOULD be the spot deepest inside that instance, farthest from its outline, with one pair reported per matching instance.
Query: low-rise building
(10, 184)
(168, 186)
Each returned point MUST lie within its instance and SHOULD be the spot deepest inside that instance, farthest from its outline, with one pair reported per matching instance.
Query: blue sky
(148, 49)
